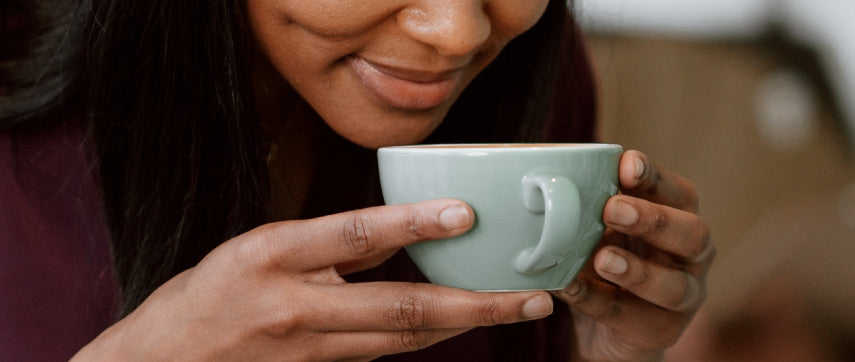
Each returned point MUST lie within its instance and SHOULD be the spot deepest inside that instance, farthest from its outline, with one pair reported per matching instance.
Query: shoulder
(53, 246)
(45, 180)
(41, 155)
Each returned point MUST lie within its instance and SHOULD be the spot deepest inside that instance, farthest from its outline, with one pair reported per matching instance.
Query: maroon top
(55, 275)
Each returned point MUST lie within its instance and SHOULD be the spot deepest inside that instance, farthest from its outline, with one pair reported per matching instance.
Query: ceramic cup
(538, 209)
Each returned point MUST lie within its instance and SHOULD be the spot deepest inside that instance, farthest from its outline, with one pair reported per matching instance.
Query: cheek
(282, 40)
(513, 17)
(331, 18)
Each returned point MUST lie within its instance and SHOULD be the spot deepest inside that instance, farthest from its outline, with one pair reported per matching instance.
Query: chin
(387, 131)
(387, 138)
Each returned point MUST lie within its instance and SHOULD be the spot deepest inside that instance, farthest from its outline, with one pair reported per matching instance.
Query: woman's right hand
(276, 293)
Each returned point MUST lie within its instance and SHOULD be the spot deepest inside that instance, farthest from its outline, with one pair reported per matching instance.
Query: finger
(364, 345)
(630, 316)
(362, 234)
(672, 289)
(640, 177)
(678, 232)
(403, 306)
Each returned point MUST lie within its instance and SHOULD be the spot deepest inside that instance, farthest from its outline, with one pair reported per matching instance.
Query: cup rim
(501, 147)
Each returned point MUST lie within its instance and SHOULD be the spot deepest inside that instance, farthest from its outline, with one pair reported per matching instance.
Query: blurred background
(754, 101)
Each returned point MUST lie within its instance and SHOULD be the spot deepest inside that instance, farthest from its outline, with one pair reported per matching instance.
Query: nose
(452, 27)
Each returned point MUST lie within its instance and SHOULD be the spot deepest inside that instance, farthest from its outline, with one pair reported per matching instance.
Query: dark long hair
(164, 88)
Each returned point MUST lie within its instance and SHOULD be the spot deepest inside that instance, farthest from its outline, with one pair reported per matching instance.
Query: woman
(208, 125)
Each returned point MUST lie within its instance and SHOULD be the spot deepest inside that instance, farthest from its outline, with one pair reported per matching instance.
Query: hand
(276, 293)
(647, 277)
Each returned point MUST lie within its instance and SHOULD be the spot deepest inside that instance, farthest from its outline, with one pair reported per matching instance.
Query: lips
(404, 88)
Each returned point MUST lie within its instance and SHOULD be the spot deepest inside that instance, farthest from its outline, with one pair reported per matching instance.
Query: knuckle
(490, 312)
(410, 312)
(262, 245)
(413, 340)
(356, 234)
(253, 250)
(284, 321)
(640, 275)
(657, 224)
(411, 225)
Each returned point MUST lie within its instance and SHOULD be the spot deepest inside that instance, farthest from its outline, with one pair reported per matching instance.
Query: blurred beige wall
(777, 207)
(691, 106)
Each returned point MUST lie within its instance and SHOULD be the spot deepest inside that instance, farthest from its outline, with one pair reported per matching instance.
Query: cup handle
(559, 200)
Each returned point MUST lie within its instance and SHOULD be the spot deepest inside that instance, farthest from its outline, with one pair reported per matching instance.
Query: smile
(403, 88)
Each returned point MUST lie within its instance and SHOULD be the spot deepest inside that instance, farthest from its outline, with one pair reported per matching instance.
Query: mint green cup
(538, 209)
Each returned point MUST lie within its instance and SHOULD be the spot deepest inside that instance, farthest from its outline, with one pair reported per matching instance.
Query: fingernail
(639, 167)
(537, 307)
(615, 264)
(454, 217)
(623, 214)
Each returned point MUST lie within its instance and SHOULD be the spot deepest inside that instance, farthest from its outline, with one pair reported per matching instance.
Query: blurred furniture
(754, 126)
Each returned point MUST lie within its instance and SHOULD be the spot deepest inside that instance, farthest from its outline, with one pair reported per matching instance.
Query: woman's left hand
(647, 277)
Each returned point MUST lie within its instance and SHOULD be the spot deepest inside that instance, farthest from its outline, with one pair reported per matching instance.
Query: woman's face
(384, 72)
